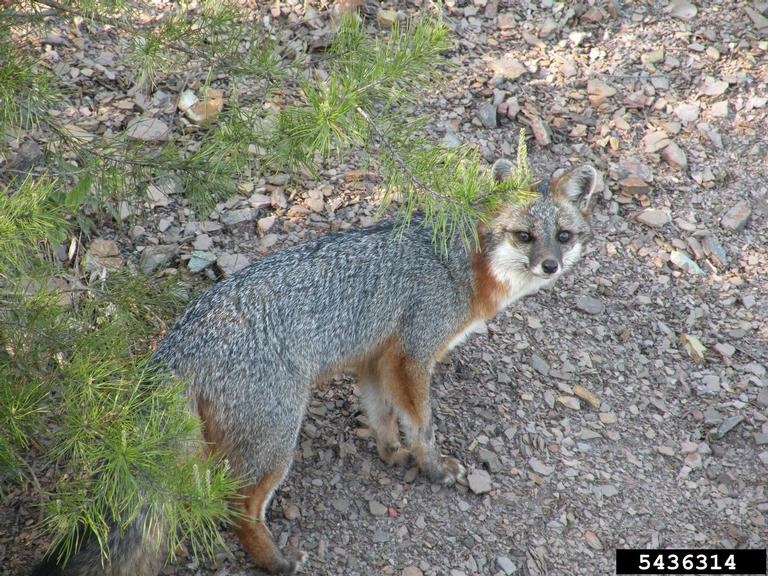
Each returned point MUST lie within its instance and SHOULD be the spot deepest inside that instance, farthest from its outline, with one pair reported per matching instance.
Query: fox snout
(546, 261)
(549, 267)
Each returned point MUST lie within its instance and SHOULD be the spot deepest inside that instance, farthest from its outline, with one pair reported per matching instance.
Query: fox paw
(292, 563)
(397, 456)
(448, 472)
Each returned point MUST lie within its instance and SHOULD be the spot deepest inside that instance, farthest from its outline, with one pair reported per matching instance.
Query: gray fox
(385, 305)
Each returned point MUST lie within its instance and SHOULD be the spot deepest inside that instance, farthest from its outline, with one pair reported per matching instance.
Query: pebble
(490, 459)
(687, 112)
(712, 416)
(655, 141)
(598, 91)
(654, 217)
(291, 511)
(607, 490)
(157, 198)
(200, 260)
(592, 540)
(154, 257)
(265, 224)
(724, 349)
(231, 263)
(540, 467)
(506, 565)
(103, 247)
(729, 424)
(608, 417)
(506, 21)
(675, 156)
(634, 186)
(259, 200)
(590, 305)
(202, 242)
(682, 10)
(376, 508)
(234, 217)
(451, 140)
(684, 262)
(148, 130)
(487, 114)
(381, 536)
(479, 481)
(715, 251)
(569, 402)
(539, 364)
(737, 217)
(508, 67)
(590, 397)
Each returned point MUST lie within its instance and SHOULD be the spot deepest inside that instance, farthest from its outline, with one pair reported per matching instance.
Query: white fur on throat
(510, 268)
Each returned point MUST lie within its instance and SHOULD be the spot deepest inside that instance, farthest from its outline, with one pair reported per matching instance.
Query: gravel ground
(627, 406)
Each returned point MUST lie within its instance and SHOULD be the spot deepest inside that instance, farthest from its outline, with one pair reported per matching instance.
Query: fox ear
(502, 169)
(578, 185)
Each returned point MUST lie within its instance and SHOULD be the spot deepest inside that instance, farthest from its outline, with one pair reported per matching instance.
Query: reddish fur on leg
(253, 532)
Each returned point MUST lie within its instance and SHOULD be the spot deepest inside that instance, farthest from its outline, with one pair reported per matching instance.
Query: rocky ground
(626, 407)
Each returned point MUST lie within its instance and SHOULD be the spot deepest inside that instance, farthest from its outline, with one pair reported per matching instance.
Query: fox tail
(140, 549)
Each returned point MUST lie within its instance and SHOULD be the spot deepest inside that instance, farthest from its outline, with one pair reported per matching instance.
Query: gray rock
(715, 251)
(675, 156)
(540, 467)
(265, 224)
(762, 397)
(539, 364)
(233, 217)
(155, 257)
(607, 490)
(202, 242)
(729, 424)
(479, 481)
(451, 140)
(490, 459)
(200, 260)
(381, 536)
(508, 68)
(506, 565)
(376, 508)
(737, 217)
(148, 130)
(684, 262)
(654, 218)
(231, 263)
(487, 114)
(157, 197)
(590, 305)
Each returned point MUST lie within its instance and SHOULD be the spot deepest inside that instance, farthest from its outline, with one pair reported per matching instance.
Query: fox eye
(564, 236)
(523, 237)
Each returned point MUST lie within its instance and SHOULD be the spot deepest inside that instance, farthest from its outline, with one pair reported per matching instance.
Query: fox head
(533, 243)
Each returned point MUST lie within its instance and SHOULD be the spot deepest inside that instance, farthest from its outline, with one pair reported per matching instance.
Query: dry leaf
(587, 395)
(693, 347)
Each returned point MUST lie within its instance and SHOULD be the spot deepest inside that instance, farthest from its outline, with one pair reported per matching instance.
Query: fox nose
(549, 266)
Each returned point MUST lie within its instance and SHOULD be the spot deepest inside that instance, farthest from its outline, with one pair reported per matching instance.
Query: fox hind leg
(252, 530)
